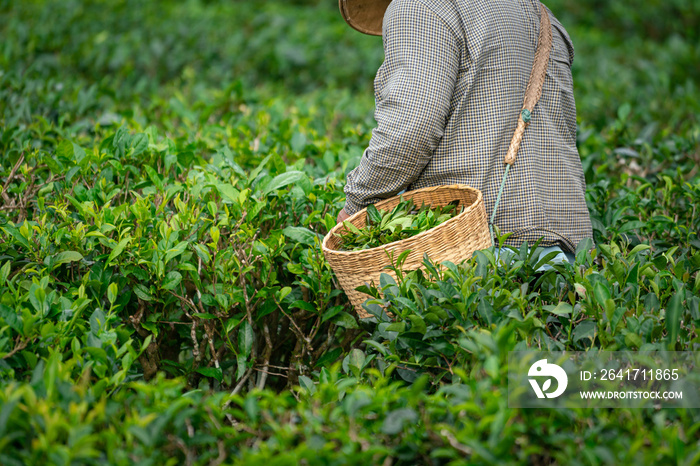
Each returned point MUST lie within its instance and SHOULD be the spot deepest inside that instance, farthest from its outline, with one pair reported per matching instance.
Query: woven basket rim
(398, 243)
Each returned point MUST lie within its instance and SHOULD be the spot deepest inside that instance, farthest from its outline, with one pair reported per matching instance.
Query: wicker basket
(454, 240)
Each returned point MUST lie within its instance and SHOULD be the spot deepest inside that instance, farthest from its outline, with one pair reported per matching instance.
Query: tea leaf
(118, 249)
(673, 317)
(285, 179)
(561, 309)
(246, 335)
(213, 372)
(67, 256)
(172, 280)
(300, 235)
(396, 420)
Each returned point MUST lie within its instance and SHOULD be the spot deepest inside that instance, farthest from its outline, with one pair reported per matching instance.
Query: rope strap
(534, 85)
(532, 95)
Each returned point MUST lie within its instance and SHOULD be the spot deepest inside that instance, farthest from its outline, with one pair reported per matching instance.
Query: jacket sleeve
(413, 92)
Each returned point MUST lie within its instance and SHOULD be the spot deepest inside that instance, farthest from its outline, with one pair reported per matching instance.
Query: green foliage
(167, 171)
(401, 222)
(428, 322)
(193, 255)
(332, 419)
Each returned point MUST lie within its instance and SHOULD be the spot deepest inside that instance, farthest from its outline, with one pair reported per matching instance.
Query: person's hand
(342, 216)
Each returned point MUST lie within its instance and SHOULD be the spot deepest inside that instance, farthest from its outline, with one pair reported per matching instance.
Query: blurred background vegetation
(646, 54)
(78, 62)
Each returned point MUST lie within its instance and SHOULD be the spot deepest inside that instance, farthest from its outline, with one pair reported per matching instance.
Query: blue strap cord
(498, 199)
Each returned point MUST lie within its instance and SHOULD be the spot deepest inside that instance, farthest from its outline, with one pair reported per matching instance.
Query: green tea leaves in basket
(403, 221)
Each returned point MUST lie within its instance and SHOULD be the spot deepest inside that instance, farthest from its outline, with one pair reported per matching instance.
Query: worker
(448, 97)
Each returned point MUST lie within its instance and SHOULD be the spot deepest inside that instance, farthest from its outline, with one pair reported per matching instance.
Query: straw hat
(364, 15)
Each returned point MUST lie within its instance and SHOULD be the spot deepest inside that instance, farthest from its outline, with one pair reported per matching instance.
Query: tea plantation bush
(168, 170)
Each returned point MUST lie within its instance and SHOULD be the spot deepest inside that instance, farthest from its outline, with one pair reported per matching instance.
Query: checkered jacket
(448, 96)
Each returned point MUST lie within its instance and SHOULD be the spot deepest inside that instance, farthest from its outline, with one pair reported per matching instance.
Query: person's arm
(413, 91)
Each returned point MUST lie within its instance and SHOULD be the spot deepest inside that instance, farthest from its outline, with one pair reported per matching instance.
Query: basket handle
(532, 95)
(534, 86)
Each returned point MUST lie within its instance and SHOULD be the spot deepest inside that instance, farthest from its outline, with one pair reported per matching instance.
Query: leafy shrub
(193, 255)
(635, 302)
(334, 420)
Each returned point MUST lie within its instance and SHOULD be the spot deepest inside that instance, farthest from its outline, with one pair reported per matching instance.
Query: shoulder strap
(534, 86)
(532, 95)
